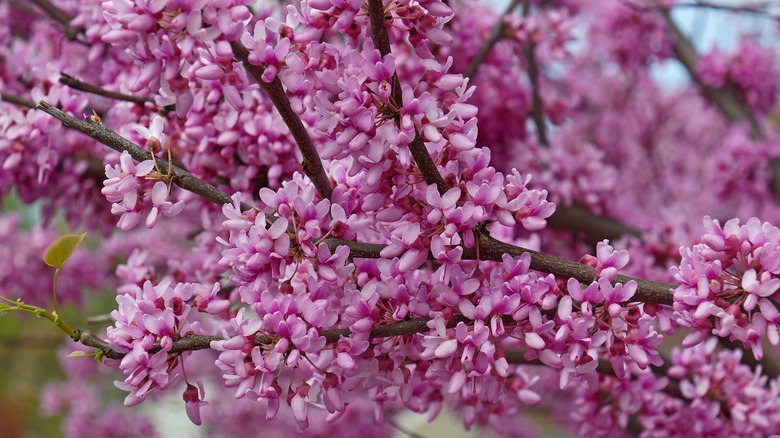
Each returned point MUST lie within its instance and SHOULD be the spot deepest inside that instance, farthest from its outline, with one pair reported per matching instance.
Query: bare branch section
(381, 39)
(108, 137)
(724, 98)
(312, 164)
(495, 34)
(16, 100)
(76, 84)
(59, 16)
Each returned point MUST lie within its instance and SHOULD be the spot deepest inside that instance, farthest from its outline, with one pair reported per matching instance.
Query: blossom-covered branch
(487, 249)
(381, 40)
(106, 136)
(312, 164)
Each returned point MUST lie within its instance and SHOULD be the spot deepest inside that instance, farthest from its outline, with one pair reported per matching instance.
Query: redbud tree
(315, 216)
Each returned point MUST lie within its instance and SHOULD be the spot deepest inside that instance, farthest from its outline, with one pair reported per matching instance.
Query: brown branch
(492, 249)
(59, 16)
(495, 34)
(194, 342)
(22, 6)
(594, 227)
(74, 83)
(312, 164)
(758, 8)
(724, 98)
(16, 100)
(187, 343)
(108, 137)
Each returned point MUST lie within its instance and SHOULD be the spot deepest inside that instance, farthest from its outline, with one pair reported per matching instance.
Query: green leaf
(61, 249)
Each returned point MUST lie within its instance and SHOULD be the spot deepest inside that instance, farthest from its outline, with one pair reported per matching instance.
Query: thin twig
(537, 111)
(759, 9)
(312, 164)
(108, 137)
(495, 34)
(74, 83)
(59, 16)
(16, 100)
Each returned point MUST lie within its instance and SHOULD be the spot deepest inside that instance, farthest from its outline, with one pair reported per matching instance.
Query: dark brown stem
(108, 137)
(16, 100)
(76, 84)
(59, 16)
(194, 342)
(378, 26)
(428, 169)
(312, 164)
(495, 34)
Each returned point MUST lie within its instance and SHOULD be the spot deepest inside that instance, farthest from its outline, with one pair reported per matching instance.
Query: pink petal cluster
(728, 284)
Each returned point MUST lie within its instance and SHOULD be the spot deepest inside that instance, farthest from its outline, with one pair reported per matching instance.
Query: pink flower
(193, 402)
(160, 204)
(154, 136)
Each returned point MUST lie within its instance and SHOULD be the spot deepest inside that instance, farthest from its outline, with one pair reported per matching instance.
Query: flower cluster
(126, 182)
(381, 286)
(148, 321)
(728, 284)
(751, 68)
